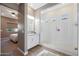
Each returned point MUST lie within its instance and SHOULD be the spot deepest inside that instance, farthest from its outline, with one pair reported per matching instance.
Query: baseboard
(67, 53)
(24, 53)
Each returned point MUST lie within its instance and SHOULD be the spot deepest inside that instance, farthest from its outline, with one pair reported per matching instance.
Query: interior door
(67, 25)
(69, 36)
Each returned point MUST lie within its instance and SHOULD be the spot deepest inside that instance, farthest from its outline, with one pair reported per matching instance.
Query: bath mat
(46, 53)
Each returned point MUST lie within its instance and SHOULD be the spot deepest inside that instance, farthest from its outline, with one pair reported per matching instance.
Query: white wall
(78, 25)
(64, 40)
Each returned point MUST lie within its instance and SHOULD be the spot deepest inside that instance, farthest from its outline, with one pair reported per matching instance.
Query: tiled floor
(34, 51)
(9, 48)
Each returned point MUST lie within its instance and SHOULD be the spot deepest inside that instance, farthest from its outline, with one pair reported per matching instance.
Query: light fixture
(13, 13)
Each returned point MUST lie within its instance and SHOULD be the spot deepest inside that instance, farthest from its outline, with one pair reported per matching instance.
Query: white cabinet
(35, 40)
(32, 41)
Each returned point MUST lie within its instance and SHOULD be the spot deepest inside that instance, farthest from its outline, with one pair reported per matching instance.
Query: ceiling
(15, 5)
(36, 5)
(48, 14)
(7, 12)
(11, 5)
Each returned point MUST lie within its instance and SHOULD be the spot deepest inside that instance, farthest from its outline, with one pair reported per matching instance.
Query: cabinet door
(35, 40)
(29, 42)
(32, 41)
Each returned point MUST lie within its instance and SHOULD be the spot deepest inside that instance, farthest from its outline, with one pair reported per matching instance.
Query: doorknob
(76, 24)
(76, 48)
(58, 29)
